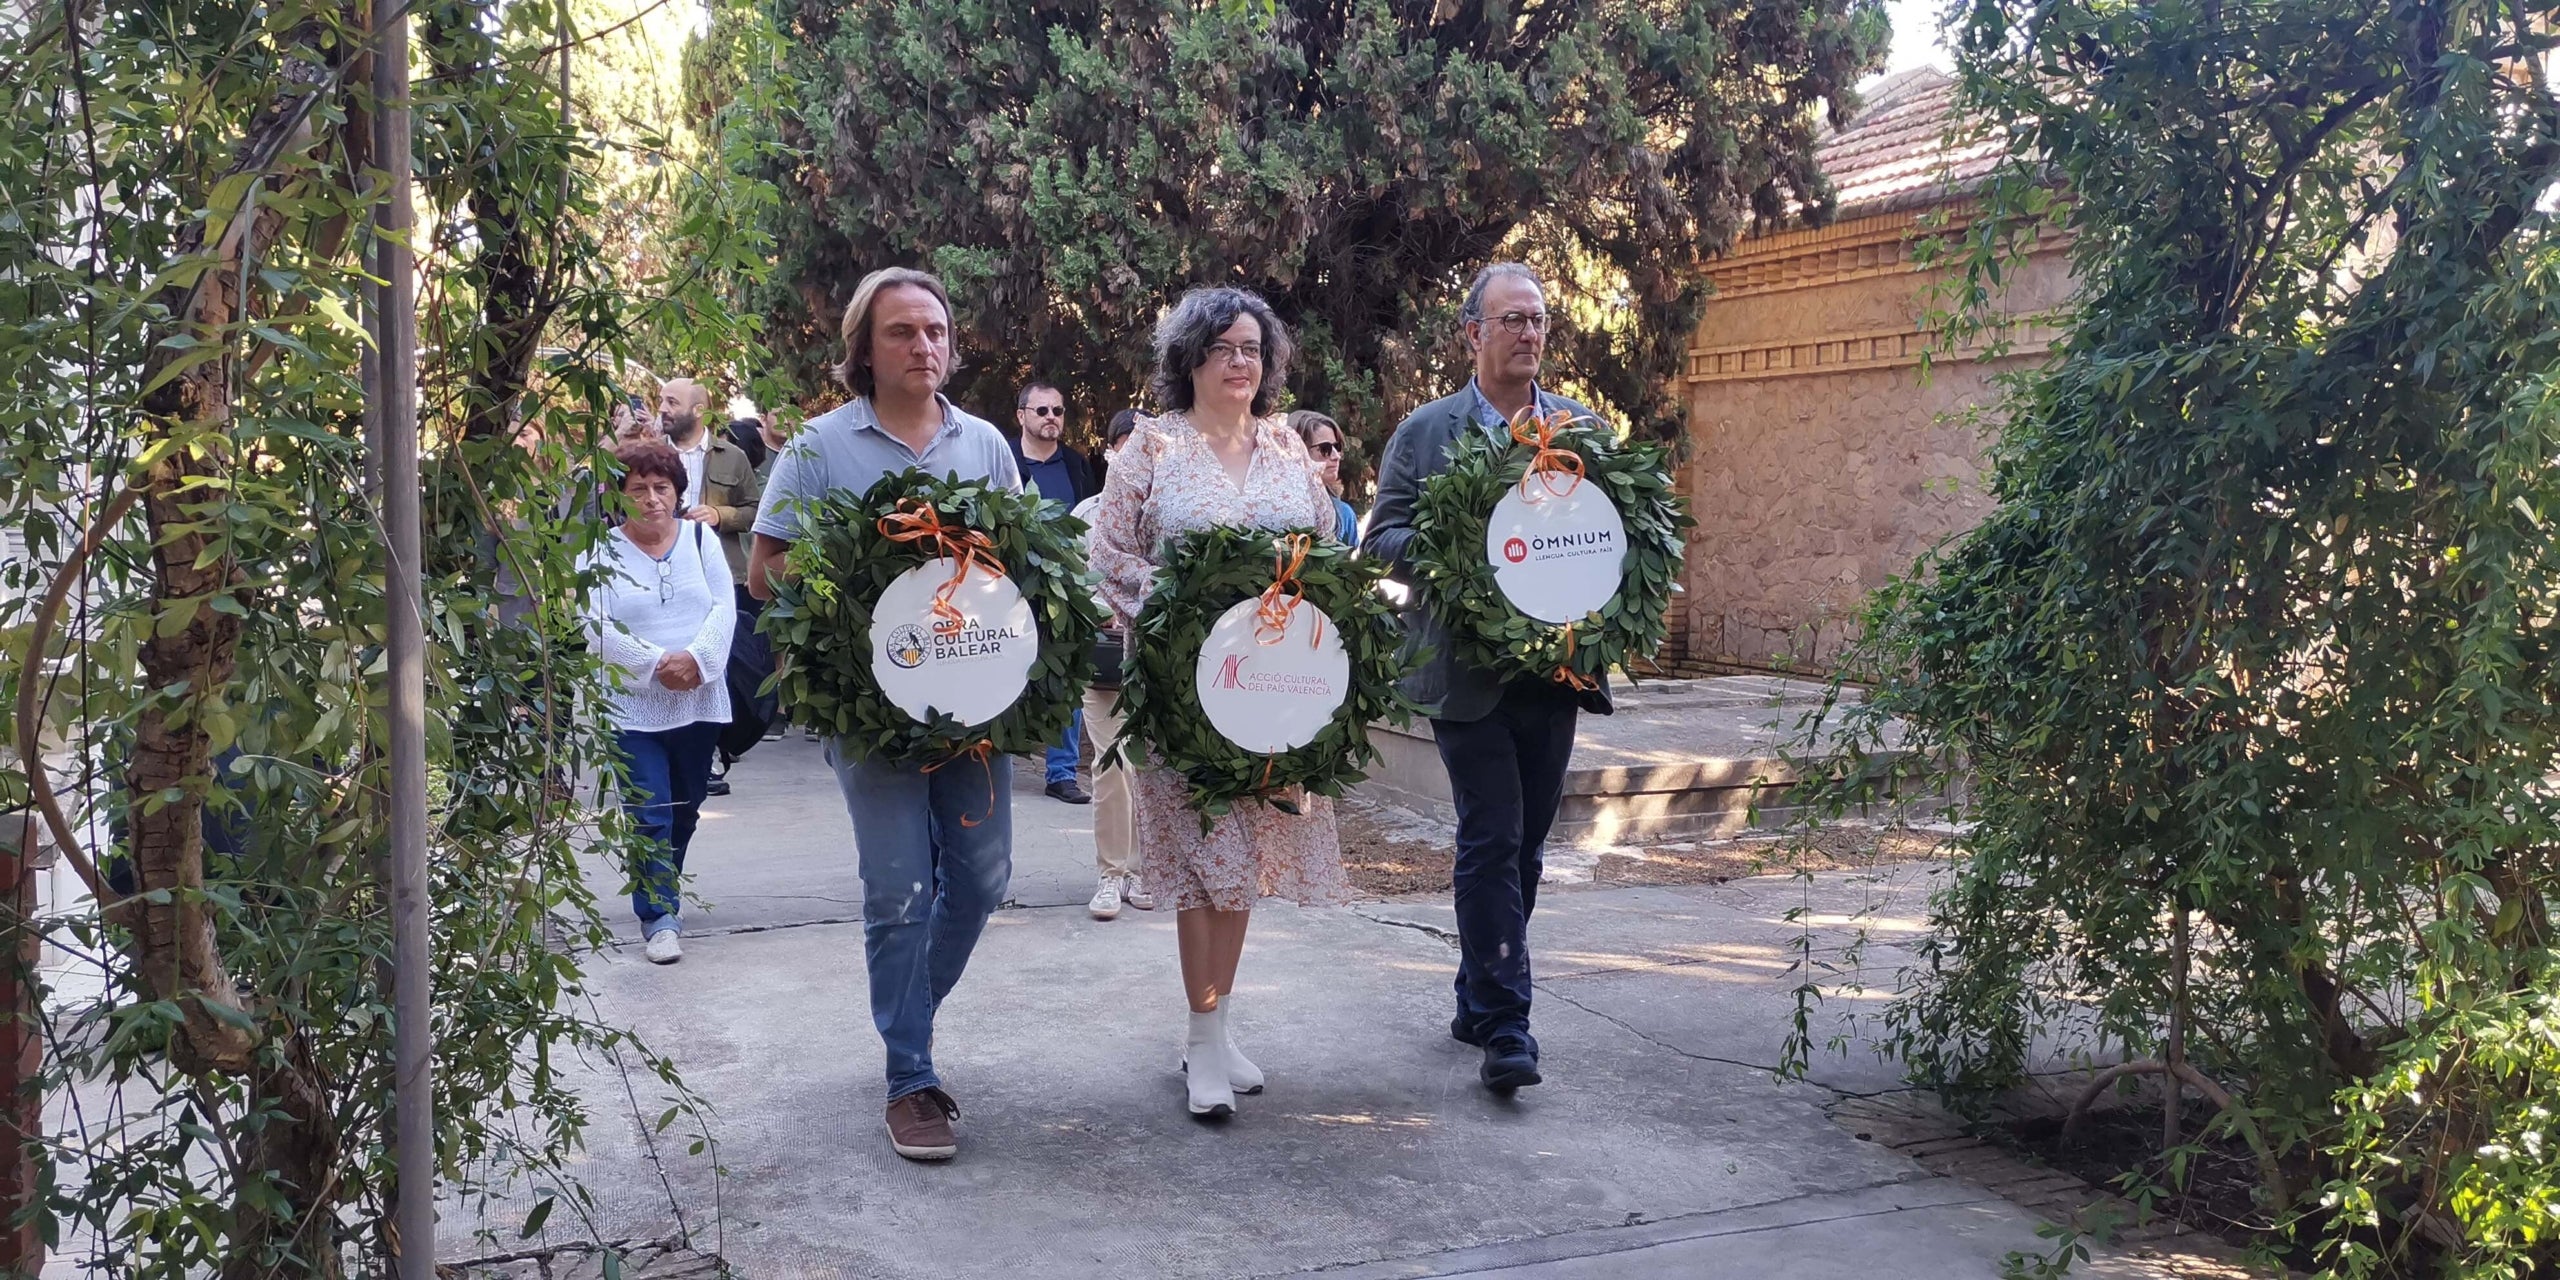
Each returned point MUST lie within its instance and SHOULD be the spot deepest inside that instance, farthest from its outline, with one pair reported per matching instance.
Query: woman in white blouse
(661, 618)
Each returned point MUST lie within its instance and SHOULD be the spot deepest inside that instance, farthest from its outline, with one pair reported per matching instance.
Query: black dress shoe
(1510, 1062)
(1069, 790)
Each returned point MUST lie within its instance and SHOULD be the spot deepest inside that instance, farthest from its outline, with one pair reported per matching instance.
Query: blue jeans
(929, 881)
(1067, 758)
(665, 773)
(1506, 773)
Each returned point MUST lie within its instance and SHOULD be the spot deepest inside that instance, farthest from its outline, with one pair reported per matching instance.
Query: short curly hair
(650, 458)
(1184, 334)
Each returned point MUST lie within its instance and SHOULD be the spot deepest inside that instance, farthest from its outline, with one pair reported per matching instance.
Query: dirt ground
(1390, 853)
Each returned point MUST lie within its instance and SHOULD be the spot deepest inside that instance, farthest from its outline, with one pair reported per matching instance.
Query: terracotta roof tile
(1894, 155)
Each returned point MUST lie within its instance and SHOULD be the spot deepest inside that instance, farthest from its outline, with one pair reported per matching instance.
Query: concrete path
(1660, 1146)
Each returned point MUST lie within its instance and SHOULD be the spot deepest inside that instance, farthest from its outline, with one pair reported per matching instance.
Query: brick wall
(1824, 459)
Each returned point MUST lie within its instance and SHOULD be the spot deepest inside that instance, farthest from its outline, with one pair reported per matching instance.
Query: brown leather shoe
(920, 1125)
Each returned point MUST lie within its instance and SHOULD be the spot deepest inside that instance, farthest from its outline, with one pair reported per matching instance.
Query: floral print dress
(1164, 483)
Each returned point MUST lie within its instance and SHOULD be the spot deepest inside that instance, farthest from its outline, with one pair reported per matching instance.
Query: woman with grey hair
(1220, 457)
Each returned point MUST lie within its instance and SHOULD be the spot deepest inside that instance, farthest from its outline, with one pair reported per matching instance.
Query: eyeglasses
(1234, 353)
(1048, 411)
(1325, 449)
(1521, 323)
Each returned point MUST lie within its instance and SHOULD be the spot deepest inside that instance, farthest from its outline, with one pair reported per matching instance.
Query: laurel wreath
(1205, 574)
(850, 550)
(1457, 584)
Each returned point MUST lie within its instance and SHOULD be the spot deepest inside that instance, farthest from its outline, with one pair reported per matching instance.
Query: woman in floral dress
(1219, 458)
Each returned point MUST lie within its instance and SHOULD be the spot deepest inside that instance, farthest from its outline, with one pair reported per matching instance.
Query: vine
(191, 626)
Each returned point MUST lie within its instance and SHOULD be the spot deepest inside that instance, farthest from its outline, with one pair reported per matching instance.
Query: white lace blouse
(647, 607)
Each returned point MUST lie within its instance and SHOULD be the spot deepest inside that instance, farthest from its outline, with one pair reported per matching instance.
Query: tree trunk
(295, 1147)
(290, 1147)
(170, 770)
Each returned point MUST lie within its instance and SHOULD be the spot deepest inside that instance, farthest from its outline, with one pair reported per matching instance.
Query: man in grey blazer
(1505, 744)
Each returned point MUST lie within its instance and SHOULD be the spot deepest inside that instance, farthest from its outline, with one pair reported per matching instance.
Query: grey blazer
(1418, 450)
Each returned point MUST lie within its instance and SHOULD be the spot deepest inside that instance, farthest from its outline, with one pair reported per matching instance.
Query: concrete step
(1680, 759)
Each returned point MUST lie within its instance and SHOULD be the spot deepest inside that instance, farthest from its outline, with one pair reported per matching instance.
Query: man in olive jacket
(722, 488)
(1505, 744)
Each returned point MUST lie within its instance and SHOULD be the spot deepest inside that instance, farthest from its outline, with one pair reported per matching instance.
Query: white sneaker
(1106, 899)
(1136, 895)
(665, 947)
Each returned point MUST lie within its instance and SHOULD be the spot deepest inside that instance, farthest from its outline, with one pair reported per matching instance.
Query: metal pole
(414, 1211)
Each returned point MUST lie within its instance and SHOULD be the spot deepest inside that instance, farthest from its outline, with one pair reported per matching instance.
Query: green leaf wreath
(1205, 574)
(820, 621)
(1485, 629)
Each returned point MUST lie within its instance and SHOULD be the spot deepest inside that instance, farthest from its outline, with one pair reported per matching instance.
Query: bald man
(720, 484)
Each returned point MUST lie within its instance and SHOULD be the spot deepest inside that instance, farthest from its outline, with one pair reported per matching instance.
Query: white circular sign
(971, 669)
(1268, 698)
(1558, 549)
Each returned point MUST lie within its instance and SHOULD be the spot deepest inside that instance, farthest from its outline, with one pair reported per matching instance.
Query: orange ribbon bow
(1565, 674)
(1539, 432)
(917, 520)
(978, 751)
(1280, 600)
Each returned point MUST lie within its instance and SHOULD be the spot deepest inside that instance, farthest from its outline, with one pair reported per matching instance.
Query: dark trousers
(1506, 773)
(666, 771)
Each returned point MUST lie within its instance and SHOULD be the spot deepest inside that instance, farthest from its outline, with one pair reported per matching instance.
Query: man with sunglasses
(1505, 744)
(1064, 474)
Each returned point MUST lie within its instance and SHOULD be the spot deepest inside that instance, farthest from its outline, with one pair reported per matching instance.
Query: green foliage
(1457, 581)
(820, 622)
(1205, 574)
(2261, 633)
(1071, 167)
(124, 133)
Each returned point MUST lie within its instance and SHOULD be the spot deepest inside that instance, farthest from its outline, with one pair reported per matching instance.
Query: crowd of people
(934, 844)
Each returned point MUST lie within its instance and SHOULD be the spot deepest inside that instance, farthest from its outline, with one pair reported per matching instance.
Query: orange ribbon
(1565, 674)
(1539, 432)
(978, 751)
(917, 520)
(1280, 600)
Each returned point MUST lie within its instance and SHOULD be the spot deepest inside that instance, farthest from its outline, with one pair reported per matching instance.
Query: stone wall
(1823, 460)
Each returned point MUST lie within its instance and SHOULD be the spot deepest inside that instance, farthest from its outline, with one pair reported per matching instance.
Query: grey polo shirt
(847, 448)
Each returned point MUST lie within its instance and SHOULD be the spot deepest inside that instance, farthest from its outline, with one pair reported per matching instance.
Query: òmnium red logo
(1515, 551)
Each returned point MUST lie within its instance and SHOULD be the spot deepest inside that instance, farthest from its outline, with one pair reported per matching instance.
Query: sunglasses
(1048, 411)
(1325, 449)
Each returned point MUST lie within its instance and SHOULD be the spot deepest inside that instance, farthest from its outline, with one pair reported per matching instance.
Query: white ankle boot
(1242, 1075)
(1204, 1046)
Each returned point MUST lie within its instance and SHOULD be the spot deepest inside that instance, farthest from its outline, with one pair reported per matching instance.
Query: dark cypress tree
(1071, 167)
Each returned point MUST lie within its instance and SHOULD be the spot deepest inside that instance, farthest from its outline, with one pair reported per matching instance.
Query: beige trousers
(1115, 829)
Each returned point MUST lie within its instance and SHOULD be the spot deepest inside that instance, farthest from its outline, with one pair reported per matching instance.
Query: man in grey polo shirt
(933, 866)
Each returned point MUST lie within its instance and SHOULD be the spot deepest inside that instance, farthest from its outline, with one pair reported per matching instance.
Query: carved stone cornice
(1851, 352)
(1851, 249)
(1804, 258)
